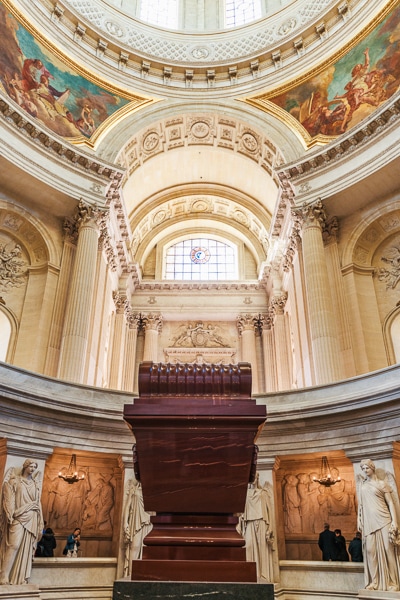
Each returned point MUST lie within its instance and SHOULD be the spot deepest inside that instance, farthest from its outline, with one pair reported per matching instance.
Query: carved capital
(153, 322)
(314, 214)
(70, 228)
(247, 322)
(330, 230)
(278, 303)
(120, 302)
(85, 214)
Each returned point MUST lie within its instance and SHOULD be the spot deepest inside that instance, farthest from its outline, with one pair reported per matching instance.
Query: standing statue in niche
(378, 522)
(255, 527)
(21, 522)
(136, 524)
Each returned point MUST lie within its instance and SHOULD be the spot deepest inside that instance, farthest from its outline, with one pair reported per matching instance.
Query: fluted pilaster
(282, 357)
(118, 342)
(269, 354)
(128, 383)
(152, 324)
(324, 336)
(78, 310)
(57, 320)
(246, 326)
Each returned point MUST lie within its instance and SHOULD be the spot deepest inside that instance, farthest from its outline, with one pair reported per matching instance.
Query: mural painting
(48, 89)
(348, 91)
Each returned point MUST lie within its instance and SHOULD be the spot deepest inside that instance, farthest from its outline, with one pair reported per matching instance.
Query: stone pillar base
(19, 592)
(158, 590)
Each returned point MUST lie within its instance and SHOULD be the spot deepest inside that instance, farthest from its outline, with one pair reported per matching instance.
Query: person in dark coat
(341, 546)
(355, 548)
(48, 542)
(327, 543)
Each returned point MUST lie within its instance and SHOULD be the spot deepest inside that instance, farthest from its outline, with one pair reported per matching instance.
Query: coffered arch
(200, 153)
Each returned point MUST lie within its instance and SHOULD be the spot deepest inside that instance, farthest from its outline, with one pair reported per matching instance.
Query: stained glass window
(201, 259)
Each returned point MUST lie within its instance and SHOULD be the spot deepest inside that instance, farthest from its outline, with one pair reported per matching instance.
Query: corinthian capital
(153, 321)
(246, 322)
(314, 213)
(277, 305)
(84, 213)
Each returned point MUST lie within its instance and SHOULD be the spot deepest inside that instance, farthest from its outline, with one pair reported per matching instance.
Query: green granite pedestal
(124, 589)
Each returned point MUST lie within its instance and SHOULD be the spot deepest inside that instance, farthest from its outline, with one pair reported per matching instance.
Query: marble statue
(255, 527)
(136, 524)
(21, 522)
(378, 522)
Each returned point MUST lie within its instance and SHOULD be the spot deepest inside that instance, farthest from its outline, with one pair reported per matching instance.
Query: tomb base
(124, 589)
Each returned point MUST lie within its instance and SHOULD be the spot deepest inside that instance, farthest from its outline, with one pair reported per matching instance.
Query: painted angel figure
(378, 520)
(21, 522)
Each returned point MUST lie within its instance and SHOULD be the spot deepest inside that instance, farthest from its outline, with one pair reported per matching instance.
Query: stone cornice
(295, 35)
(343, 147)
(56, 146)
(193, 285)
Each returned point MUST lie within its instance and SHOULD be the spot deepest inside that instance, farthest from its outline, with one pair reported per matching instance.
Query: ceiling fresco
(345, 92)
(46, 86)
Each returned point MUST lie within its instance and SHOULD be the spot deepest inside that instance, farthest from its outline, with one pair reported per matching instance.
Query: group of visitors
(333, 545)
(47, 543)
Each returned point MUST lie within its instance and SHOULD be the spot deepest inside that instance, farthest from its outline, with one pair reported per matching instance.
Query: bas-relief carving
(13, 269)
(199, 342)
(391, 273)
(88, 503)
(199, 335)
(307, 504)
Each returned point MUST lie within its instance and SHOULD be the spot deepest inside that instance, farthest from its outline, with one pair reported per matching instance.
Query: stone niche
(93, 503)
(304, 505)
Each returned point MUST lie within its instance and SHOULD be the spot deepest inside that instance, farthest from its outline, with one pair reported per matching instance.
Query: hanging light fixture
(71, 476)
(325, 477)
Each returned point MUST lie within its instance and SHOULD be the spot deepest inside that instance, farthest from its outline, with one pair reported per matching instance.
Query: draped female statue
(21, 523)
(378, 522)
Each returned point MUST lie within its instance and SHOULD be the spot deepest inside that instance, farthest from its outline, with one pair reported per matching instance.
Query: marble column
(330, 236)
(152, 325)
(118, 342)
(80, 299)
(282, 356)
(128, 382)
(323, 321)
(67, 261)
(269, 353)
(246, 326)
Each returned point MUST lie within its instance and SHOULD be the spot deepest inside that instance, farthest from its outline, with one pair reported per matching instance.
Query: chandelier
(325, 478)
(71, 476)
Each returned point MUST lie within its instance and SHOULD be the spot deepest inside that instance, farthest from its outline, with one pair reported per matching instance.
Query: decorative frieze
(262, 38)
